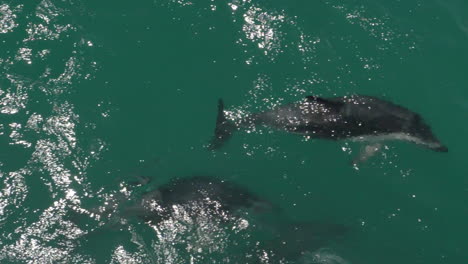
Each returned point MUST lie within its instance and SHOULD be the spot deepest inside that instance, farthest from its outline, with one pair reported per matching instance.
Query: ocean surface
(99, 97)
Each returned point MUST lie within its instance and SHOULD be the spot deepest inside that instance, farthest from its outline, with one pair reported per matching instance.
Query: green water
(93, 93)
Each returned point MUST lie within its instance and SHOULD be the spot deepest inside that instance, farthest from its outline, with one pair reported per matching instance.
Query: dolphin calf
(356, 117)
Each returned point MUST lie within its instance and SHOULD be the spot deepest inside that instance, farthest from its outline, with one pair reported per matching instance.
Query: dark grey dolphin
(357, 117)
(226, 197)
(203, 195)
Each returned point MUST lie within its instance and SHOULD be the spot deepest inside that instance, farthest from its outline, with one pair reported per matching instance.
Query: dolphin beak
(442, 148)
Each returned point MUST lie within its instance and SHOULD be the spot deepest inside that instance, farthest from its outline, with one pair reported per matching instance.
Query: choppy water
(96, 94)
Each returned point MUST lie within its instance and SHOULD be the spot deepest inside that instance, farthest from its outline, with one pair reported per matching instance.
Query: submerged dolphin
(208, 196)
(195, 212)
(198, 191)
(357, 117)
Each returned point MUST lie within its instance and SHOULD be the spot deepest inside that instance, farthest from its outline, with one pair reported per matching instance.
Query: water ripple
(39, 125)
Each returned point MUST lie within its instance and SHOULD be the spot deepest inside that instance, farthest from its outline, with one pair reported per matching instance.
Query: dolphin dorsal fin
(327, 102)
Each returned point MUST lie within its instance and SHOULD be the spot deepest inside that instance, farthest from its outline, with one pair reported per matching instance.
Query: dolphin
(357, 118)
(183, 207)
(194, 192)
(209, 196)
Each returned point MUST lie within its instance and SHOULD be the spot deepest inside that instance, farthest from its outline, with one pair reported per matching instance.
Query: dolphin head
(423, 132)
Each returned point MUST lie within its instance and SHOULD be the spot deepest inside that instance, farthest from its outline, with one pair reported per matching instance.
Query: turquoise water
(94, 94)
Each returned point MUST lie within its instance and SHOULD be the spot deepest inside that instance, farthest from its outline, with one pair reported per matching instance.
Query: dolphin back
(229, 194)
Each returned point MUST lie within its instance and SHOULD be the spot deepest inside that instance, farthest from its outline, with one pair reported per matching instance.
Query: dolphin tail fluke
(223, 130)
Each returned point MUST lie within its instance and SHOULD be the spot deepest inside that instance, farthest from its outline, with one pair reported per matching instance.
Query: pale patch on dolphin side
(394, 137)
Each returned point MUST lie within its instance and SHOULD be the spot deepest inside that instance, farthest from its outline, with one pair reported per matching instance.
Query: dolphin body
(357, 118)
(197, 192)
(204, 195)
